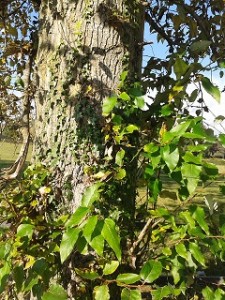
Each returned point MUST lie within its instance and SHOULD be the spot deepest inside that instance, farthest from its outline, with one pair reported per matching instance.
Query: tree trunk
(83, 48)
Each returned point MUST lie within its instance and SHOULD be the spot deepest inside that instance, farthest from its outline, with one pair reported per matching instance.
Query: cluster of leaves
(38, 250)
(191, 31)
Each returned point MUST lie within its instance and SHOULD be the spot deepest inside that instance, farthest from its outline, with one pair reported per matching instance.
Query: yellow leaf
(178, 88)
(30, 262)
(171, 96)
(163, 130)
(34, 203)
(89, 88)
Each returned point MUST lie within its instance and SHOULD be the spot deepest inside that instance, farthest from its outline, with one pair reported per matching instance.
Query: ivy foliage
(163, 255)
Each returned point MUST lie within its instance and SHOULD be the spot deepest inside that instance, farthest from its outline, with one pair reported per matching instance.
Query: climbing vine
(158, 254)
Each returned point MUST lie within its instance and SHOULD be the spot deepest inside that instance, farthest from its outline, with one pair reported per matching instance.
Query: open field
(9, 153)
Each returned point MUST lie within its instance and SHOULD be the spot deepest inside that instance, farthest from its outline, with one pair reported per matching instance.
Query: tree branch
(155, 26)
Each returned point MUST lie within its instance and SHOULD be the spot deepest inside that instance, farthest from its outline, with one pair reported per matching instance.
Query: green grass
(9, 153)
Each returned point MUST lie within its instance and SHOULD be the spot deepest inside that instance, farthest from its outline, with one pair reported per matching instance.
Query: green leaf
(76, 218)
(199, 216)
(19, 277)
(123, 76)
(25, 230)
(4, 273)
(135, 92)
(82, 245)
(219, 294)
(171, 156)
(119, 157)
(94, 237)
(19, 81)
(194, 95)
(110, 267)
(208, 293)
(210, 169)
(162, 292)
(191, 135)
(5, 248)
(180, 67)
(108, 104)
(139, 102)
(186, 215)
(222, 139)
(151, 271)
(89, 228)
(55, 292)
(196, 252)
(219, 118)
(121, 173)
(91, 275)
(190, 261)
(69, 239)
(191, 173)
(97, 243)
(155, 188)
(40, 266)
(200, 46)
(196, 231)
(91, 194)
(128, 294)
(166, 110)
(101, 292)
(155, 159)
(191, 158)
(111, 236)
(175, 270)
(167, 251)
(128, 278)
(197, 148)
(199, 129)
(124, 96)
(181, 128)
(151, 148)
(131, 128)
(211, 89)
(181, 250)
(30, 282)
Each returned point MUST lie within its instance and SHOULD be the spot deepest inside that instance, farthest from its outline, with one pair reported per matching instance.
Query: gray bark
(83, 48)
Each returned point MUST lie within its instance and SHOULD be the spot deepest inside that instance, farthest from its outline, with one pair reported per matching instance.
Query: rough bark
(83, 48)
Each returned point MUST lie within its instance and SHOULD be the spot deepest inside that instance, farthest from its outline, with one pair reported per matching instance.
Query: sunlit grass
(9, 153)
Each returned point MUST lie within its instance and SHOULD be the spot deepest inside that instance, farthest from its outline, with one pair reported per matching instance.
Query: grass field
(9, 153)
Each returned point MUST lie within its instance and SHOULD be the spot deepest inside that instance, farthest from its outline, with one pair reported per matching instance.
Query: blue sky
(159, 49)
